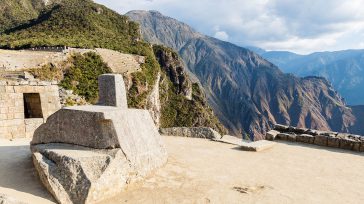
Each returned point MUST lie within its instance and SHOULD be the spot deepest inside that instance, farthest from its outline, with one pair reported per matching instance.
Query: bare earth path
(201, 171)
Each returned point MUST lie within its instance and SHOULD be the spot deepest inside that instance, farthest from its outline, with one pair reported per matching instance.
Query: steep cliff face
(174, 69)
(248, 93)
(183, 104)
(344, 69)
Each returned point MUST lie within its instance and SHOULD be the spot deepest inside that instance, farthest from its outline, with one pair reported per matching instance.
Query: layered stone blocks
(85, 154)
(321, 138)
(24, 105)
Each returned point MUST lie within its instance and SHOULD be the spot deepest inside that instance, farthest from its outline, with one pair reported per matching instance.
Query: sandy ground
(201, 171)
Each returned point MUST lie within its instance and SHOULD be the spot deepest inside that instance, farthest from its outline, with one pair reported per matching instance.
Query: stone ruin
(86, 154)
(322, 138)
(25, 104)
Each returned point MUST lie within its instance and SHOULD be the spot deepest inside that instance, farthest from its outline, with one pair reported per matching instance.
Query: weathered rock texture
(321, 138)
(196, 132)
(25, 105)
(85, 154)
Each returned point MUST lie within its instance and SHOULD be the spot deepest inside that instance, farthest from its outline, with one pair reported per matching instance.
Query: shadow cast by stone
(17, 168)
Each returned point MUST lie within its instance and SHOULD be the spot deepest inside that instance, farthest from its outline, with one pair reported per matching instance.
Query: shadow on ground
(18, 173)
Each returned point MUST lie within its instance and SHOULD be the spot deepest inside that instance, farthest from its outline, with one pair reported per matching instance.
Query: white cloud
(295, 25)
(222, 35)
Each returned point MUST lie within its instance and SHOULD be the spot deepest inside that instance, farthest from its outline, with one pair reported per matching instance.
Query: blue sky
(301, 26)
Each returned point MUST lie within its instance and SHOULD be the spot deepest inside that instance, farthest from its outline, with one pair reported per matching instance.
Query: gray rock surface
(196, 132)
(85, 154)
(75, 174)
(112, 91)
(271, 135)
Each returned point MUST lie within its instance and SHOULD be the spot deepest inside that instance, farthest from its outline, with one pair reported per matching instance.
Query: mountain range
(161, 86)
(344, 69)
(248, 93)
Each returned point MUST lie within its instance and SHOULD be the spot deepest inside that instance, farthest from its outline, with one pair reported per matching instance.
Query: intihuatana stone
(112, 91)
(85, 154)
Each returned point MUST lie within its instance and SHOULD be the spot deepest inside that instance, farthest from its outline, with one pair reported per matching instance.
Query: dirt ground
(202, 171)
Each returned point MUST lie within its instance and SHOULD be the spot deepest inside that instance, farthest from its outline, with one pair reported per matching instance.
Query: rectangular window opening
(32, 105)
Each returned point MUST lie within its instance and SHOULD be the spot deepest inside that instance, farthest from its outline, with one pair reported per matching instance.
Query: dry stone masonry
(25, 105)
(195, 132)
(86, 154)
(321, 138)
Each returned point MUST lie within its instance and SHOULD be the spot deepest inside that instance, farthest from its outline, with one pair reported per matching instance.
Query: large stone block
(347, 144)
(292, 137)
(282, 136)
(75, 174)
(281, 128)
(271, 135)
(321, 140)
(333, 142)
(105, 127)
(305, 138)
(112, 91)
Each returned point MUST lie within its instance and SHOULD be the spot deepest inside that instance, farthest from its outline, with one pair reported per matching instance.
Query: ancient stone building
(25, 105)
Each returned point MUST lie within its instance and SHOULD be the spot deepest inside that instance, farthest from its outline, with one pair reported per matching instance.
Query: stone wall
(14, 121)
(18, 60)
(196, 132)
(321, 138)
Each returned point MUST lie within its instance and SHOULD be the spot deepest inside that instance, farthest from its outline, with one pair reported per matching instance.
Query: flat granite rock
(75, 174)
(105, 127)
(257, 146)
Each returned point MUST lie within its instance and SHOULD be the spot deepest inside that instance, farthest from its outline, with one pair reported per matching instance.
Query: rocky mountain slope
(344, 69)
(248, 93)
(63, 23)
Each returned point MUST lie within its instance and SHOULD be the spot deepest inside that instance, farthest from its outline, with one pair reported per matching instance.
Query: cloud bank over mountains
(294, 25)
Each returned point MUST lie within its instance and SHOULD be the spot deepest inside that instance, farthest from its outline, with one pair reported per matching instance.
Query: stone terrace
(322, 138)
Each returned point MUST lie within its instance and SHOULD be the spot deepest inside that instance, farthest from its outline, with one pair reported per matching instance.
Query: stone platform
(85, 154)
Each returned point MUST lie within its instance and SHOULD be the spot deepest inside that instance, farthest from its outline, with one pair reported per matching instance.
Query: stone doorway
(32, 105)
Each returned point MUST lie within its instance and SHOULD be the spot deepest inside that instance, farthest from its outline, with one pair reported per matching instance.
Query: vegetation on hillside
(82, 75)
(84, 24)
(177, 109)
(16, 12)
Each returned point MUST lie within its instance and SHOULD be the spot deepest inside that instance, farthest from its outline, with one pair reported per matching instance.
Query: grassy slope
(15, 12)
(94, 26)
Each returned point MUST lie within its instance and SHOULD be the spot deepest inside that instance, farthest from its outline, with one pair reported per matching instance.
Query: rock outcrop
(85, 154)
(321, 138)
(196, 132)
